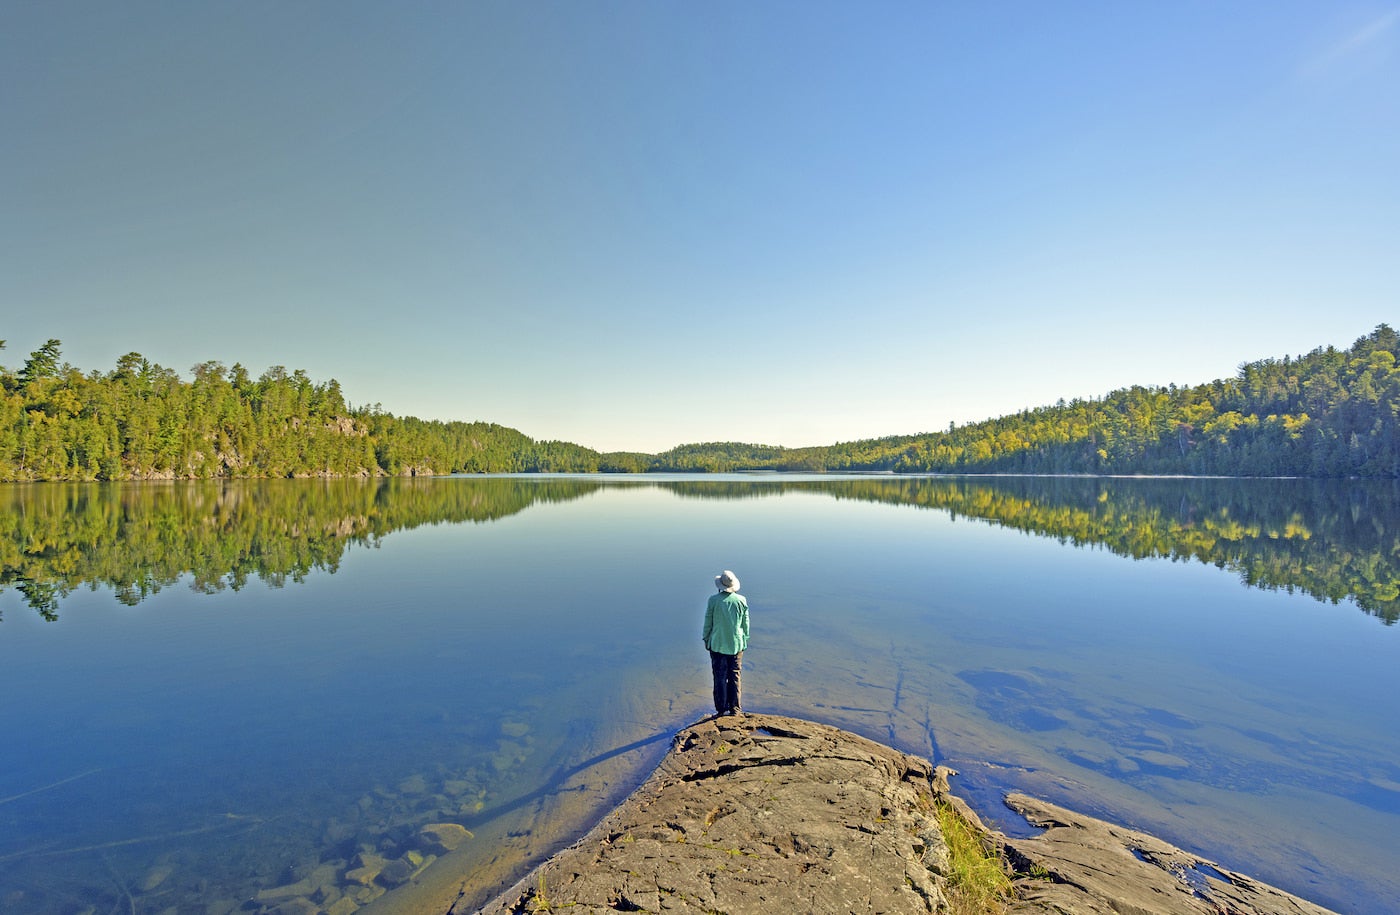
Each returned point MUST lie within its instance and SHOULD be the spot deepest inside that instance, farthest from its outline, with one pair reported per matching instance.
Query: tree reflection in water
(1333, 540)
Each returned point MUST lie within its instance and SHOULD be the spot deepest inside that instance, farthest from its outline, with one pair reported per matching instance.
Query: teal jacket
(726, 624)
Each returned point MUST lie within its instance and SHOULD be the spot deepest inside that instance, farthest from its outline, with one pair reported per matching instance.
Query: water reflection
(204, 746)
(1335, 541)
(138, 539)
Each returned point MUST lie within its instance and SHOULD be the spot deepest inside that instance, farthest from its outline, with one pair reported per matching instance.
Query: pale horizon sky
(634, 225)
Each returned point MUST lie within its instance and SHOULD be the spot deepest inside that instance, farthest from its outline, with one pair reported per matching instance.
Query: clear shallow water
(511, 654)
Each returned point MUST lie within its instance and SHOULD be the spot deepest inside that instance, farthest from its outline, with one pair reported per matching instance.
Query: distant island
(1330, 414)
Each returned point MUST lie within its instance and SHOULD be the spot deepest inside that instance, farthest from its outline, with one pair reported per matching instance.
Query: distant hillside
(141, 421)
(1331, 413)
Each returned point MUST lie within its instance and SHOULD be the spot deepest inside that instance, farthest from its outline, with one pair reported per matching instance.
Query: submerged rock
(1089, 866)
(456, 787)
(337, 831)
(342, 906)
(366, 868)
(441, 838)
(396, 873)
(414, 784)
(297, 905)
(366, 894)
(155, 877)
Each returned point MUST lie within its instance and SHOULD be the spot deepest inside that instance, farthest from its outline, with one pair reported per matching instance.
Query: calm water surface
(211, 690)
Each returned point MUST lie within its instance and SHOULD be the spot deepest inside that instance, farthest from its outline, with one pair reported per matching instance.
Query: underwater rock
(326, 895)
(323, 878)
(414, 784)
(1161, 760)
(442, 837)
(471, 806)
(403, 870)
(514, 728)
(277, 893)
(342, 906)
(337, 831)
(297, 905)
(155, 877)
(508, 755)
(366, 894)
(1083, 864)
(366, 869)
(396, 873)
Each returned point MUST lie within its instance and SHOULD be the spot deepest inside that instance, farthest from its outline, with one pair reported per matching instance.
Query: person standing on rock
(726, 635)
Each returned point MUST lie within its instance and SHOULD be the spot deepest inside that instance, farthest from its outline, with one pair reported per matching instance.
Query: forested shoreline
(142, 421)
(1331, 413)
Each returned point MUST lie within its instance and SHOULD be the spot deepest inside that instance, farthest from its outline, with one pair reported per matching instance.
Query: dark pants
(725, 668)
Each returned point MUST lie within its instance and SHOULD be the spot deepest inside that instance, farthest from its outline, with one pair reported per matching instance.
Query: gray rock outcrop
(757, 813)
(763, 814)
(1085, 866)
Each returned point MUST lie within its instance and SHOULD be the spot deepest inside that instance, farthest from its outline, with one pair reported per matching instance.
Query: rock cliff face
(764, 814)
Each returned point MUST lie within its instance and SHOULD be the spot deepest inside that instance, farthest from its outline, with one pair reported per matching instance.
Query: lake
(215, 689)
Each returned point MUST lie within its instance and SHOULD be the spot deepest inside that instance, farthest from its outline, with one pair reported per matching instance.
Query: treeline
(1331, 413)
(141, 421)
(713, 456)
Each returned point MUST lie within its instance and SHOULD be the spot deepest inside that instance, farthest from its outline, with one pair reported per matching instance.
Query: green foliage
(1331, 413)
(717, 456)
(43, 363)
(977, 884)
(141, 421)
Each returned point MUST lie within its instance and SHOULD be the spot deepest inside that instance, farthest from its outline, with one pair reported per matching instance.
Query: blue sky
(639, 224)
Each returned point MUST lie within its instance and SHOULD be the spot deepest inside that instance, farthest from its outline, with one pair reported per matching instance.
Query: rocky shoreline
(764, 813)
